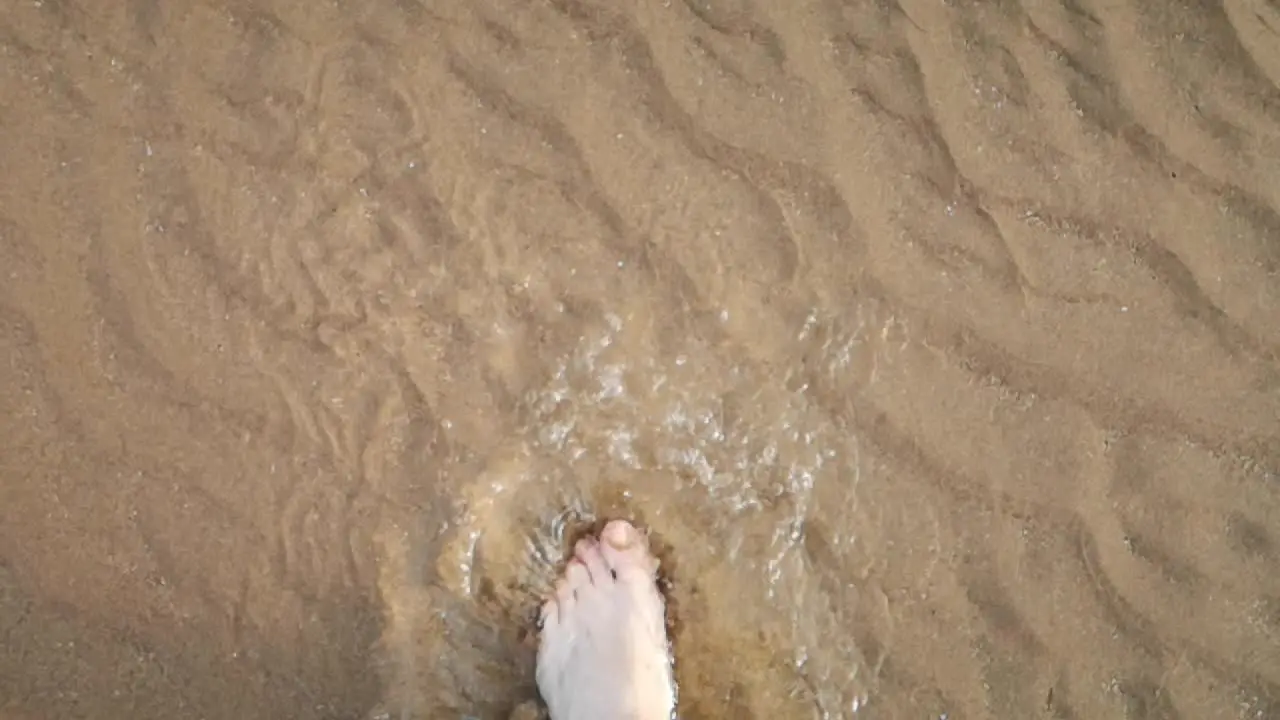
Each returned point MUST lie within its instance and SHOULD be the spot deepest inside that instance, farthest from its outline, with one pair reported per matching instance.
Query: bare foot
(603, 652)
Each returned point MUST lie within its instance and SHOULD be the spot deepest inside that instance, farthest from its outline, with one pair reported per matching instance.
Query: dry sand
(936, 341)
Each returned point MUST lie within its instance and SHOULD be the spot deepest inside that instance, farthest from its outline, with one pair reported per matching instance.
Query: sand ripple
(936, 341)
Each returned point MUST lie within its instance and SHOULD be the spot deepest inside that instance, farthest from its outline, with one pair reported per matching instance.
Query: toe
(626, 550)
(587, 550)
(559, 605)
(576, 577)
(549, 616)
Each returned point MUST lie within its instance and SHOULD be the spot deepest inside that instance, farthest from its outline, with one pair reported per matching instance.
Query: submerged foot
(603, 652)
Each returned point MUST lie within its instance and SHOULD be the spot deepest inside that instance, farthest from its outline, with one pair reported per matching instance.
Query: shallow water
(935, 343)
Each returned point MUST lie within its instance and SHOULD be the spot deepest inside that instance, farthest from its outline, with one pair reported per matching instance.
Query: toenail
(619, 535)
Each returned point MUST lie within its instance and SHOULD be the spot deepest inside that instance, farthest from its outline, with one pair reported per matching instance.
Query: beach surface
(935, 342)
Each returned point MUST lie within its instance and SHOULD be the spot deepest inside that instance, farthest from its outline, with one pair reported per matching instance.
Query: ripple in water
(723, 463)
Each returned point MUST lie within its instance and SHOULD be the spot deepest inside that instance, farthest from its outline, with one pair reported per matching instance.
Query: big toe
(626, 549)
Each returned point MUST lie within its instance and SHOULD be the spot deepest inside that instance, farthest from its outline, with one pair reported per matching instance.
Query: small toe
(576, 576)
(549, 615)
(557, 606)
(587, 550)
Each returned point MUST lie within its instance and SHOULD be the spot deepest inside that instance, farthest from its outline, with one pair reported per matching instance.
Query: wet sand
(936, 342)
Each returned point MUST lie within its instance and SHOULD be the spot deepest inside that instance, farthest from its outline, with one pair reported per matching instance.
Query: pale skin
(603, 652)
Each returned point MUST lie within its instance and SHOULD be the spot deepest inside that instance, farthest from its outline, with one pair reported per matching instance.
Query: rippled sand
(938, 343)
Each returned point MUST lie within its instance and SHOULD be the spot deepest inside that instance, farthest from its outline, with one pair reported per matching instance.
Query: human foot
(603, 651)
